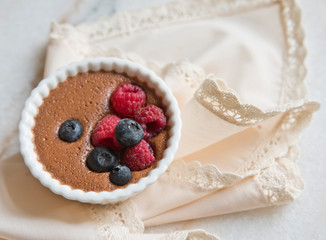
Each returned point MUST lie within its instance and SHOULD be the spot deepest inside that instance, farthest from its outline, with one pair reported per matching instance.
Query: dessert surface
(85, 98)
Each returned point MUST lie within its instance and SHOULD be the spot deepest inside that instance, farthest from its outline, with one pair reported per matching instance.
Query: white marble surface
(24, 28)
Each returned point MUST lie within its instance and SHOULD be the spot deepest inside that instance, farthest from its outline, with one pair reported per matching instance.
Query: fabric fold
(238, 148)
(275, 185)
(202, 129)
(262, 159)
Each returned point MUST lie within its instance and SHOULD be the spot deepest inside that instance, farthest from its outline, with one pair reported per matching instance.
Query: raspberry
(152, 119)
(103, 134)
(138, 157)
(127, 99)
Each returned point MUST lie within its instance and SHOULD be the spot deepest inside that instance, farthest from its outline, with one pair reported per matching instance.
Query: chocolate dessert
(85, 99)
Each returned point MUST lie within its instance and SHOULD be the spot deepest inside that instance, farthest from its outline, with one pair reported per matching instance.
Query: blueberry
(101, 159)
(128, 132)
(120, 175)
(70, 131)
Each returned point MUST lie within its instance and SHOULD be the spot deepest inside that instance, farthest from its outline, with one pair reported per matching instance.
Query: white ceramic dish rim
(95, 64)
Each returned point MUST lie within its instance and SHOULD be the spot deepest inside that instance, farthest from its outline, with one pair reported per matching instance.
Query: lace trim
(286, 134)
(281, 183)
(278, 177)
(200, 177)
(184, 70)
(273, 176)
(117, 221)
(178, 235)
(189, 235)
(175, 12)
(266, 164)
(214, 95)
(226, 105)
(294, 69)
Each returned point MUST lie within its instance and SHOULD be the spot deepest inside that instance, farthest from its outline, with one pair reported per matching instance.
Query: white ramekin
(108, 64)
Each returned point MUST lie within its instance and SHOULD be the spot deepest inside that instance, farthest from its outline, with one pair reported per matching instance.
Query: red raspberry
(152, 119)
(103, 134)
(138, 157)
(127, 99)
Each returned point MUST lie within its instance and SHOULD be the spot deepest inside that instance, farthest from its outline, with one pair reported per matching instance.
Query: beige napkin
(238, 80)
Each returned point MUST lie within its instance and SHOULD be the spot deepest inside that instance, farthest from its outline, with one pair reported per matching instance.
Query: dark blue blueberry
(70, 131)
(128, 132)
(101, 159)
(120, 175)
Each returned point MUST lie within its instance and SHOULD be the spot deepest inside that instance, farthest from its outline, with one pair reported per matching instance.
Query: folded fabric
(239, 84)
